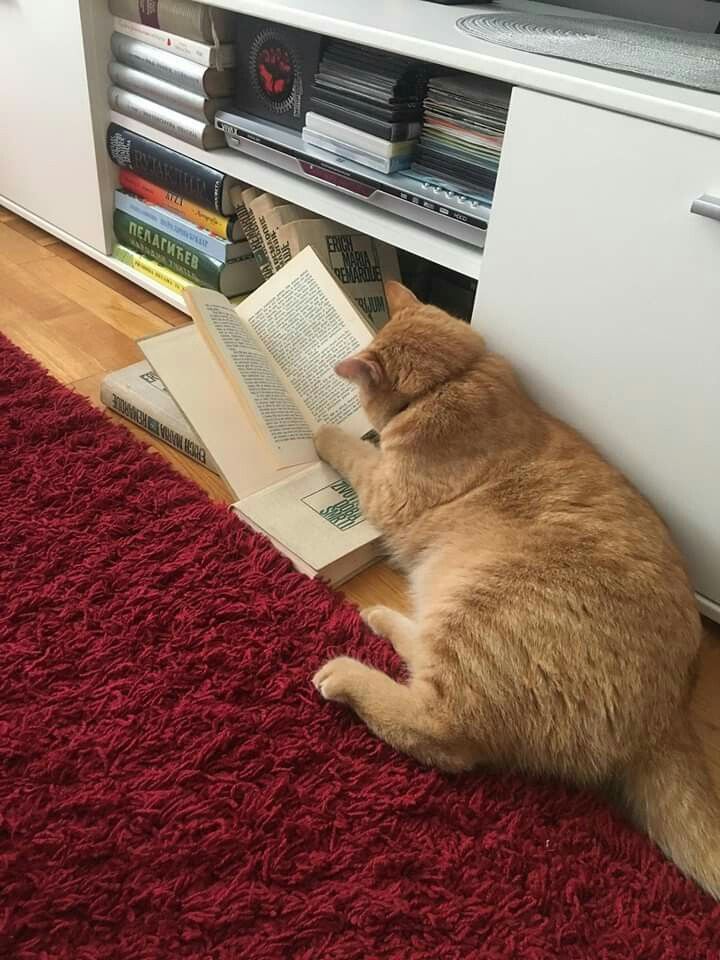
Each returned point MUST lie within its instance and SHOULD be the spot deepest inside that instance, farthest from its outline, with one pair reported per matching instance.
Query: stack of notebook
(366, 106)
(463, 125)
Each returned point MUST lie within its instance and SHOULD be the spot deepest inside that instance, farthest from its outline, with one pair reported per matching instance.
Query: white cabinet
(47, 158)
(604, 290)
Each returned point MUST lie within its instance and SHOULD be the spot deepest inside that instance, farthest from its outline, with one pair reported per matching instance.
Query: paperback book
(138, 394)
(255, 382)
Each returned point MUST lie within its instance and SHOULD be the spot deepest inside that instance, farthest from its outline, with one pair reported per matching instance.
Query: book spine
(206, 55)
(149, 268)
(164, 249)
(167, 94)
(195, 21)
(165, 167)
(158, 63)
(252, 233)
(215, 223)
(173, 226)
(194, 132)
(176, 432)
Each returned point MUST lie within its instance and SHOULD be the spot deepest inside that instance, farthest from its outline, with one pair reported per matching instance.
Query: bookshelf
(596, 280)
(430, 244)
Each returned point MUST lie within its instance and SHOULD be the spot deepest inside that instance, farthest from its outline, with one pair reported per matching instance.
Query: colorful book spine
(172, 253)
(180, 229)
(149, 268)
(219, 56)
(228, 228)
(169, 169)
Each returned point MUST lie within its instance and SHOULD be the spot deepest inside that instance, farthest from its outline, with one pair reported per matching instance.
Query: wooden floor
(80, 320)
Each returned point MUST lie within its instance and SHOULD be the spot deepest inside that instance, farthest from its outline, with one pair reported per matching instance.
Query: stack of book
(174, 219)
(462, 134)
(277, 231)
(247, 386)
(176, 74)
(366, 106)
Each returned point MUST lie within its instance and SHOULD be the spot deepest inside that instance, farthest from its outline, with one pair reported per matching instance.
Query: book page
(267, 399)
(307, 325)
(213, 408)
(314, 514)
(360, 264)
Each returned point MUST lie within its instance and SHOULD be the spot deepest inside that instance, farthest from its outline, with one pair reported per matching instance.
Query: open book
(255, 381)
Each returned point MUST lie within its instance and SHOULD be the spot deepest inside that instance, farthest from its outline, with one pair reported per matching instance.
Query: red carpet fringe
(171, 786)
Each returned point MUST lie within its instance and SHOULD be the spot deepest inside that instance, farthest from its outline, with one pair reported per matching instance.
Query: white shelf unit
(333, 204)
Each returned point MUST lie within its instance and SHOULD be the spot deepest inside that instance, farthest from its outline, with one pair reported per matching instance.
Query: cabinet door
(604, 290)
(47, 159)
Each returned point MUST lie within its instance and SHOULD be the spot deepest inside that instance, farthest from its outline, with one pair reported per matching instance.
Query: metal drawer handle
(707, 206)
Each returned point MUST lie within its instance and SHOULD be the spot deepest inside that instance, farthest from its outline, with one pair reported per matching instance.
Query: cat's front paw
(338, 679)
(328, 439)
(377, 619)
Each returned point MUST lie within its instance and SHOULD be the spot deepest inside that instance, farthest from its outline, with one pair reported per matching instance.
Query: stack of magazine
(254, 381)
(463, 126)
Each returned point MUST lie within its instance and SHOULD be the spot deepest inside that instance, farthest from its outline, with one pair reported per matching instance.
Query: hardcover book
(195, 105)
(169, 169)
(231, 278)
(205, 81)
(195, 21)
(228, 228)
(150, 268)
(199, 133)
(219, 56)
(181, 229)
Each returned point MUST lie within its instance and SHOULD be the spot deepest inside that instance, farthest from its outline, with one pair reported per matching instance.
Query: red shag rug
(171, 786)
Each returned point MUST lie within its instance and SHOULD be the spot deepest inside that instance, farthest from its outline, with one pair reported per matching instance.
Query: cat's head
(418, 349)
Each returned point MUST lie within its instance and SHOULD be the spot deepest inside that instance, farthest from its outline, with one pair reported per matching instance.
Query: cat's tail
(673, 799)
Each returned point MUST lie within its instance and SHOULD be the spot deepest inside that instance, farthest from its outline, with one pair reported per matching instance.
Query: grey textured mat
(688, 59)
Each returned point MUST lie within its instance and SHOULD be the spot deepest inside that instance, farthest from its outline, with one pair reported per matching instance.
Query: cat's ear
(363, 369)
(399, 297)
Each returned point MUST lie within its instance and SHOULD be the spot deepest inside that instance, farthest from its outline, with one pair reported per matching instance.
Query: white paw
(336, 679)
(375, 618)
(326, 439)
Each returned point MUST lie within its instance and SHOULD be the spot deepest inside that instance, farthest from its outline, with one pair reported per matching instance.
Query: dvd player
(434, 204)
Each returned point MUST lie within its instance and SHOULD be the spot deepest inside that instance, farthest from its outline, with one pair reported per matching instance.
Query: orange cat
(554, 629)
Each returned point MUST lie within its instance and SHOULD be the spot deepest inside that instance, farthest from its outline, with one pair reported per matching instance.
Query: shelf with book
(415, 238)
